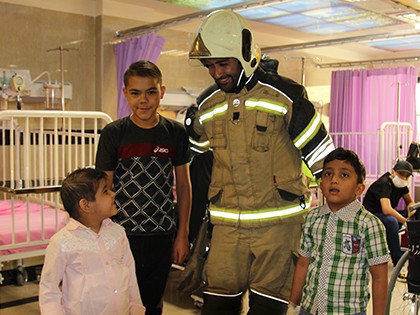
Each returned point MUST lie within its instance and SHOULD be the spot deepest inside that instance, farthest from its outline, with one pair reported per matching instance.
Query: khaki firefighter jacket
(259, 137)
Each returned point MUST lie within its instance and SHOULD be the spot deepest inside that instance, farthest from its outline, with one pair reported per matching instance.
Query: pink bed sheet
(35, 222)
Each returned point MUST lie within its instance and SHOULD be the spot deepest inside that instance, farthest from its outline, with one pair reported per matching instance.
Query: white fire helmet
(226, 34)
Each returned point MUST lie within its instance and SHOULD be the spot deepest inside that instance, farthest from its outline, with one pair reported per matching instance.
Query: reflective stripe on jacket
(258, 216)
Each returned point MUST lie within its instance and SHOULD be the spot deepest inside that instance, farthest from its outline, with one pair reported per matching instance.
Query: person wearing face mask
(382, 198)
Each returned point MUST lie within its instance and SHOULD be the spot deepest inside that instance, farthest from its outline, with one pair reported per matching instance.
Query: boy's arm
(183, 192)
(388, 210)
(379, 287)
(50, 295)
(408, 200)
(299, 279)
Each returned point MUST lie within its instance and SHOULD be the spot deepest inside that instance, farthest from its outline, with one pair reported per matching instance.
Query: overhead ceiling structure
(340, 32)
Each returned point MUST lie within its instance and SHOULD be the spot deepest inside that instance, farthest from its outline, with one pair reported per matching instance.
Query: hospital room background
(61, 66)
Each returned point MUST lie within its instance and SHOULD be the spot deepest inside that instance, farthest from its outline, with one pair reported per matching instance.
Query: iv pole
(302, 75)
(62, 50)
(302, 65)
(398, 119)
(398, 144)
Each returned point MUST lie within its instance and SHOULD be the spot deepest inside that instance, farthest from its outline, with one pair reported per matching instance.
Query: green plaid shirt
(341, 247)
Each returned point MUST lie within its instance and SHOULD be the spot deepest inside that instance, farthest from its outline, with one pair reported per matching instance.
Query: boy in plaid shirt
(342, 244)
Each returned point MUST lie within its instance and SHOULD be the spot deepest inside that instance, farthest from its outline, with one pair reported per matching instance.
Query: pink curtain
(361, 100)
(146, 47)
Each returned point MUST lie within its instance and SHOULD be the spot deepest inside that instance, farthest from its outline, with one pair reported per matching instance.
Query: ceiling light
(409, 17)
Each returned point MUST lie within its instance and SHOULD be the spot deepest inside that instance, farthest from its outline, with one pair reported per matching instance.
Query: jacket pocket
(215, 194)
(293, 190)
(287, 195)
(218, 140)
(261, 138)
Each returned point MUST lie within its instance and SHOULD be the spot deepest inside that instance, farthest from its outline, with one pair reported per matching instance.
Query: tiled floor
(174, 303)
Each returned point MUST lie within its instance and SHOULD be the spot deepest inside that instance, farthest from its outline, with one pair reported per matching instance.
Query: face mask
(399, 183)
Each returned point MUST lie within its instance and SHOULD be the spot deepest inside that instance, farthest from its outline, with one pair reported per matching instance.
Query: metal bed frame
(37, 150)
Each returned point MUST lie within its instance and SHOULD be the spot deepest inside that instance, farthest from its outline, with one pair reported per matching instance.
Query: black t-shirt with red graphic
(143, 162)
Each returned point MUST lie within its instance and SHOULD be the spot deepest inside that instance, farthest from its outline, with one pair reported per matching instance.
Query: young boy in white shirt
(89, 268)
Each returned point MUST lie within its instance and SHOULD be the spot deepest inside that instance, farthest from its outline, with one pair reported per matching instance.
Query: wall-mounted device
(17, 83)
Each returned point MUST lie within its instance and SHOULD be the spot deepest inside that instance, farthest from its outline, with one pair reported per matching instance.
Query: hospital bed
(38, 149)
(378, 150)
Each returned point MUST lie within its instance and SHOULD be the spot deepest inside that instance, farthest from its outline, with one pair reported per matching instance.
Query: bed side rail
(39, 148)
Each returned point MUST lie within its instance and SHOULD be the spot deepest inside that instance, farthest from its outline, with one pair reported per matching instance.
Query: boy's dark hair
(142, 68)
(350, 157)
(82, 183)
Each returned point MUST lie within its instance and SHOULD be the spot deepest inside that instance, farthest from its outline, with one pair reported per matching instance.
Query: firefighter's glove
(189, 122)
(190, 115)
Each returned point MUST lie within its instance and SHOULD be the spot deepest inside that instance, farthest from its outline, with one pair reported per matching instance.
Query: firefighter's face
(224, 71)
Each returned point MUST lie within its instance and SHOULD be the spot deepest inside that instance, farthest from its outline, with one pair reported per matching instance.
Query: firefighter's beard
(228, 83)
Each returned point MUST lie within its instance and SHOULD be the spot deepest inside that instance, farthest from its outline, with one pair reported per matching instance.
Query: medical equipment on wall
(17, 84)
(50, 91)
(3, 96)
(53, 94)
(12, 87)
(33, 90)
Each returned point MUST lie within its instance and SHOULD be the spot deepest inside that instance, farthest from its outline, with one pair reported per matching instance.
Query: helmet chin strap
(242, 79)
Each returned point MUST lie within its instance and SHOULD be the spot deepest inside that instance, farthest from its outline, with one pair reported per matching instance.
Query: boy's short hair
(82, 183)
(350, 157)
(142, 68)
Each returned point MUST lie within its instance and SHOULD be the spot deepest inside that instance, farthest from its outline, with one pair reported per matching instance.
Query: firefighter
(260, 126)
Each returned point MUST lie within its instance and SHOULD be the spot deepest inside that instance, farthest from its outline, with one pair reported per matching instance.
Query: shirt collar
(74, 224)
(346, 213)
